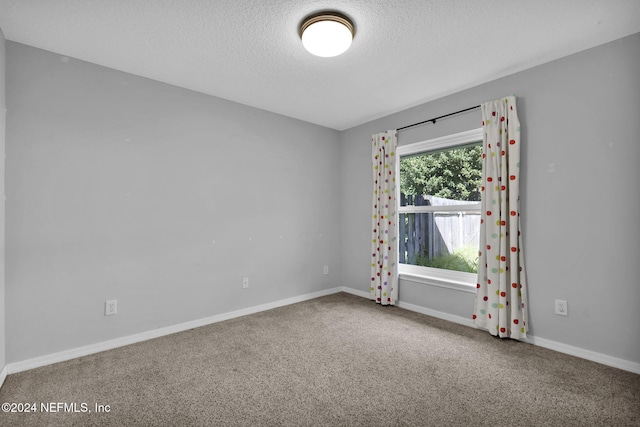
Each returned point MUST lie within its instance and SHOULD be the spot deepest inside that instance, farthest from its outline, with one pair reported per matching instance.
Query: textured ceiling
(405, 52)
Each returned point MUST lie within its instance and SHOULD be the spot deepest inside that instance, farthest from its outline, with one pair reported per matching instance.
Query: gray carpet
(329, 362)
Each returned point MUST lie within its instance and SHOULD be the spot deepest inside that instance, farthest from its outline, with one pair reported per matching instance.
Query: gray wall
(2, 192)
(119, 187)
(580, 120)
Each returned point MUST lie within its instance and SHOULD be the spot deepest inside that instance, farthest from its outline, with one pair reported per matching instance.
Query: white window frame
(451, 279)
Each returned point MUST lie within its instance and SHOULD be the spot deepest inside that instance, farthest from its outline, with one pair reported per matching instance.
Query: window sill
(465, 282)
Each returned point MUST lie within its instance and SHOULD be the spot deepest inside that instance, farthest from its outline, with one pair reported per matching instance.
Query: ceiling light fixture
(326, 34)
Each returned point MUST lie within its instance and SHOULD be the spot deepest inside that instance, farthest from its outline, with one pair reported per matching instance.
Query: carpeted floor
(338, 360)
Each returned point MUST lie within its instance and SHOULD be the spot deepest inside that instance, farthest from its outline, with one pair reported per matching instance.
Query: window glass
(439, 214)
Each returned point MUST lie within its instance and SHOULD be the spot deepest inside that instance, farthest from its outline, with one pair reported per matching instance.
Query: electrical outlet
(245, 282)
(111, 307)
(326, 270)
(561, 307)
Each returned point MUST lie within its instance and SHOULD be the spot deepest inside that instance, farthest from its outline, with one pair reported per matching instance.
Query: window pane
(440, 240)
(441, 177)
(446, 239)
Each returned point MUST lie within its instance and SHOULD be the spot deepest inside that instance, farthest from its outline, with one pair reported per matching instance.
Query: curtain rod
(438, 118)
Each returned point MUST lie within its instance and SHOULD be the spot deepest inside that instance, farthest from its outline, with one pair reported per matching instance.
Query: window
(439, 210)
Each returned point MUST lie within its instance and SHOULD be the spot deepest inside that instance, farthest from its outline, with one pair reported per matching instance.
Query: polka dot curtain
(384, 247)
(501, 305)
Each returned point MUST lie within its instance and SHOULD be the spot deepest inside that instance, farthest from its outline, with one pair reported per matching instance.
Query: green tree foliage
(451, 174)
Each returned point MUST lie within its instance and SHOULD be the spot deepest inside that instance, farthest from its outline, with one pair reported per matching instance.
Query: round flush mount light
(326, 34)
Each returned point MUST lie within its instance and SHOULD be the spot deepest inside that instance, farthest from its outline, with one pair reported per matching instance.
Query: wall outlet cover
(110, 307)
(562, 308)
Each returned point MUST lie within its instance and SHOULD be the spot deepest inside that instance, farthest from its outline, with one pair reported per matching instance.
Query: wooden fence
(429, 235)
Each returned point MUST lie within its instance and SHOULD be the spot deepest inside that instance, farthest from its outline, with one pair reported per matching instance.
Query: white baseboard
(62, 356)
(439, 314)
(541, 342)
(73, 353)
(355, 292)
(601, 358)
(3, 375)
(418, 309)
